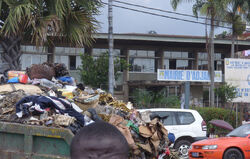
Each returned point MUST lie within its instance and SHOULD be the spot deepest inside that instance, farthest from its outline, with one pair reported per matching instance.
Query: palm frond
(63, 19)
(43, 27)
(175, 3)
(197, 7)
(20, 15)
(79, 27)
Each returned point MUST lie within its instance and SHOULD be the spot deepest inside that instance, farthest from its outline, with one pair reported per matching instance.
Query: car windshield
(241, 131)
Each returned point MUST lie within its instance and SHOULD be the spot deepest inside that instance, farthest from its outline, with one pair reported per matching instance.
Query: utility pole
(211, 49)
(111, 45)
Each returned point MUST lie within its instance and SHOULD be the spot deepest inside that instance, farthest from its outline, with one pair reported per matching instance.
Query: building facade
(145, 53)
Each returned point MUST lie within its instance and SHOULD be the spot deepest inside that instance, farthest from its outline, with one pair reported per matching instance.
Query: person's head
(99, 140)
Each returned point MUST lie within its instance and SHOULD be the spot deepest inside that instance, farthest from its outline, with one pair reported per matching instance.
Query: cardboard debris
(146, 147)
(119, 122)
(7, 110)
(145, 131)
(28, 89)
(163, 129)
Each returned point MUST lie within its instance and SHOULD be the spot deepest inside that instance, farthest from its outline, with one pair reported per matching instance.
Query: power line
(161, 10)
(165, 16)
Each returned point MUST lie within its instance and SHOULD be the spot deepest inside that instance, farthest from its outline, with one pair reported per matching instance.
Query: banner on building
(187, 75)
(237, 73)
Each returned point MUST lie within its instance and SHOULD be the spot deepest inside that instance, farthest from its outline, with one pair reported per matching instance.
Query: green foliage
(145, 98)
(239, 26)
(226, 92)
(159, 97)
(235, 15)
(72, 20)
(94, 72)
(142, 97)
(210, 113)
(223, 35)
(173, 102)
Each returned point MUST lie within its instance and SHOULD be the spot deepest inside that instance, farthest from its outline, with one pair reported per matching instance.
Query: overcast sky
(126, 21)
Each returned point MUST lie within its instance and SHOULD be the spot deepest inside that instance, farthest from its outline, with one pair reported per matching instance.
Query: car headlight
(209, 147)
(190, 147)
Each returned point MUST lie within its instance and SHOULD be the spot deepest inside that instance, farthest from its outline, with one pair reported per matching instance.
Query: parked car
(236, 145)
(187, 125)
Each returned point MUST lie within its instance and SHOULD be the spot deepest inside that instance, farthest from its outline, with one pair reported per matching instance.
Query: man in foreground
(99, 140)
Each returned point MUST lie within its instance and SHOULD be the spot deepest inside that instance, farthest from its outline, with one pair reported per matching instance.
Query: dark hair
(99, 140)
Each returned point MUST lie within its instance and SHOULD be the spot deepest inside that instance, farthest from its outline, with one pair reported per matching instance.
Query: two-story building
(145, 53)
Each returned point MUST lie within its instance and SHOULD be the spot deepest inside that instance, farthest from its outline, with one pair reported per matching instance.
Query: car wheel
(233, 153)
(182, 146)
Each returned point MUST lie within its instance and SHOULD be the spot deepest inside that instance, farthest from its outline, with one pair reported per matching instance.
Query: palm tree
(41, 21)
(234, 13)
(214, 9)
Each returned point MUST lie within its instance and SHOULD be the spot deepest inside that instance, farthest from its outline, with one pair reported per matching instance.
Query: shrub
(147, 99)
(210, 113)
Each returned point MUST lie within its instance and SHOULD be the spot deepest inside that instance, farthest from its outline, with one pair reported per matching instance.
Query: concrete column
(159, 61)
(187, 95)
(196, 61)
(125, 53)
(51, 55)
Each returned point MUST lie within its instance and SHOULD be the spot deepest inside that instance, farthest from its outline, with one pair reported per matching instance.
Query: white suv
(187, 125)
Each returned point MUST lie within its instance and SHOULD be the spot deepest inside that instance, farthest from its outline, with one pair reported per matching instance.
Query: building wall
(144, 53)
(196, 95)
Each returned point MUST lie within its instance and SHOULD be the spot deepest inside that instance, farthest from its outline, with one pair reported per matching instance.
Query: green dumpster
(18, 141)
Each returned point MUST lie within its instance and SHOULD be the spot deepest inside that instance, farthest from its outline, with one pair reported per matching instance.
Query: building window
(72, 62)
(218, 65)
(177, 60)
(142, 61)
(182, 64)
(202, 65)
(98, 52)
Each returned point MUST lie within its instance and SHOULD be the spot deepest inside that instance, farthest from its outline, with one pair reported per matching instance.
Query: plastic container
(12, 74)
(23, 78)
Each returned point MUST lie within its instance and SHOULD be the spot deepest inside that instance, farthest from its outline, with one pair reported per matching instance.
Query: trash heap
(46, 95)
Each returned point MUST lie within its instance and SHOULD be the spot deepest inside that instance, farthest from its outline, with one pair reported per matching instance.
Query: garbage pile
(46, 95)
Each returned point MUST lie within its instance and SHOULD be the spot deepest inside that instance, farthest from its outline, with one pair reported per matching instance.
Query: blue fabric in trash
(171, 137)
(13, 80)
(66, 79)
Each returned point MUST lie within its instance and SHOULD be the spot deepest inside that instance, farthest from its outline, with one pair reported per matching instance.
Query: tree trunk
(211, 49)
(232, 46)
(12, 52)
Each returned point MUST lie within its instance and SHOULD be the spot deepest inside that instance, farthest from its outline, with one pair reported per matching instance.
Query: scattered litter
(53, 99)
